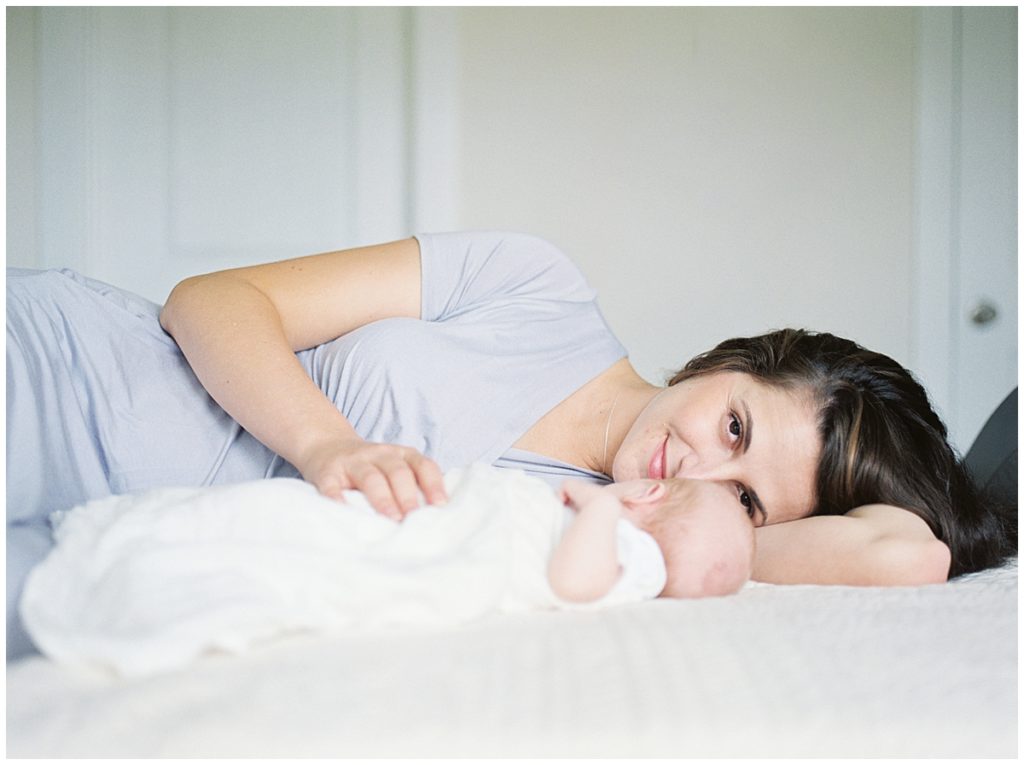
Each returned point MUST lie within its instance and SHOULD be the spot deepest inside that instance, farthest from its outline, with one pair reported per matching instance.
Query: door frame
(950, 216)
(936, 176)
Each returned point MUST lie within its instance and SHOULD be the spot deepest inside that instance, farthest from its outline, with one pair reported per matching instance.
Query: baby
(149, 582)
(705, 537)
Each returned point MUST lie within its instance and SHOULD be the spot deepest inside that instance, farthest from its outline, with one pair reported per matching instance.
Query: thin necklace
(608, 428)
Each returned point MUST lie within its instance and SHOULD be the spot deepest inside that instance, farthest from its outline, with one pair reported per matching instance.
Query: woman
(840, 431)
(494, 350)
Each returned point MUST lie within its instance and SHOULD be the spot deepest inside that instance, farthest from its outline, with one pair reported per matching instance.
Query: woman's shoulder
(494, 247)
(67, 281)
(490, 239)
(468, 267)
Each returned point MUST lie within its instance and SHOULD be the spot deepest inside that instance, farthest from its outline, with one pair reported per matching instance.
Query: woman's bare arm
(240, 328)
(871, 545)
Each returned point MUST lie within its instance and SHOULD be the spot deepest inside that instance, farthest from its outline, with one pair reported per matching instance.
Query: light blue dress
(101, 401)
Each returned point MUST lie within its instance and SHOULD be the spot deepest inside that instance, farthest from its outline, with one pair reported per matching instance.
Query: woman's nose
(706, 465)
(688, 466)
(693, 465)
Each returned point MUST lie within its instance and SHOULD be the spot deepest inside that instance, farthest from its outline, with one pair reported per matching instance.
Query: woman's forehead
(786, 463)
(785, 446)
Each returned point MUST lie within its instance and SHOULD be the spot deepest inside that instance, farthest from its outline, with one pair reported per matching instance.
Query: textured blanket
(775, 671)
(147, 583)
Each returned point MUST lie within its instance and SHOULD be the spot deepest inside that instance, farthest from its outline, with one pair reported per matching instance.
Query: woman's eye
(735, 426)
(747, 503)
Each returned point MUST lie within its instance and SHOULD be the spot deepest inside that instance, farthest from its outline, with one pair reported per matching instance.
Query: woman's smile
(656, 466)
(704, 428)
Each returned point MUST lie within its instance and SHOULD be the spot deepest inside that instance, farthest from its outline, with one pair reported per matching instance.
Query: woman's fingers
(394, 479)
(331, 487)
(378, 492)
(404, 488)
(430, 479)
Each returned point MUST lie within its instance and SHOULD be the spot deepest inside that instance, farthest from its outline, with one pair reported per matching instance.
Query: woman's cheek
(627, 465)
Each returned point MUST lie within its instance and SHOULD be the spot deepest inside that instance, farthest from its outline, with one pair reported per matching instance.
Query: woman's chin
(627, 471)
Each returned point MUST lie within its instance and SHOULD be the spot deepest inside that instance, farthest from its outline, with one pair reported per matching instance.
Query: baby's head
(705, 534)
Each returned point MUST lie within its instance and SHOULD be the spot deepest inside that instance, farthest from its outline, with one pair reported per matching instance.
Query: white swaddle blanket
(147, 583)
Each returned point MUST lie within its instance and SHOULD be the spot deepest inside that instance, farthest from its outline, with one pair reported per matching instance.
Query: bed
(772, 671)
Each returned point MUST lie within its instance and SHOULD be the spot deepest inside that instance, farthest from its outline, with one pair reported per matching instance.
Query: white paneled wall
(724, 171)
(174, 141)
(714, 171)
(21, 138)
(262, 133)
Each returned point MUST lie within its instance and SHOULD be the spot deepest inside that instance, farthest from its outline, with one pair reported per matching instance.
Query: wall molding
(933, 334)
(67, 205)
(434, 121)
(381, 148)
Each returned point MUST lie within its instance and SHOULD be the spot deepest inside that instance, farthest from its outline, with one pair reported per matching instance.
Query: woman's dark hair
(881, 440)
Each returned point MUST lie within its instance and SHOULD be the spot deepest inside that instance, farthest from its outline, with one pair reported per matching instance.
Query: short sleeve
(643, 574)
(463, 272)
(509, 328)
(643, 566)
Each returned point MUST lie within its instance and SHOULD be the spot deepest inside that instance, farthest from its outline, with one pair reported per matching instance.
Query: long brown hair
(881, 439)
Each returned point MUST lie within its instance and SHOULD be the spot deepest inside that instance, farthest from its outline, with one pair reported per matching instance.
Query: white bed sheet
(772, 671)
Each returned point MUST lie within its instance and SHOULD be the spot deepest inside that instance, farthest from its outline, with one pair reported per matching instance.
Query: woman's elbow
(912, 563)
(935, 562)
(177, 303)
(196, 300)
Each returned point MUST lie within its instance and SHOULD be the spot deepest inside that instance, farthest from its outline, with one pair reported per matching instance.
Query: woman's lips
(656, 467)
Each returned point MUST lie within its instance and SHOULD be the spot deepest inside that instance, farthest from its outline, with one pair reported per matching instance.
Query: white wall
(21, 186)
(164, 142)
(713, 171)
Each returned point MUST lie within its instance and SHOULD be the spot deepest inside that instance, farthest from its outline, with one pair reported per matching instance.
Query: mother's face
(728, 427)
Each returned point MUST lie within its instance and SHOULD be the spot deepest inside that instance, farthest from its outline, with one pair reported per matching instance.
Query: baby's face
(704, 532)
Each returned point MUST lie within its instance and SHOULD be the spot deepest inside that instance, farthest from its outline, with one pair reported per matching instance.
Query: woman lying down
(147, 583)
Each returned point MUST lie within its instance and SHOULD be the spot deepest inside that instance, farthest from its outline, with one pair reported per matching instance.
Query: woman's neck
(587, 428)
(624, 396)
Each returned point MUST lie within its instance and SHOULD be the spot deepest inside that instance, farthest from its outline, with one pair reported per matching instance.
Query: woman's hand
(392, 477)
(240, 330)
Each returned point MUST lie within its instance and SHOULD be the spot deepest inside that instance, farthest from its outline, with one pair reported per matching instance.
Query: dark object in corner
(992, 458)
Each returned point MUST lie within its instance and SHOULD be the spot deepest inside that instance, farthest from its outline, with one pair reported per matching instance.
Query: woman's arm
(585, 563)
(870, 545)
(240, 328)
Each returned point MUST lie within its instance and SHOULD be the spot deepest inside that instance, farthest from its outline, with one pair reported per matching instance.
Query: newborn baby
(148, 583)
(705, 537)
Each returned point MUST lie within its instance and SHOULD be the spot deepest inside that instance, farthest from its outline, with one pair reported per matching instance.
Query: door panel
(966, 250)
(986, 309)
(173, 141)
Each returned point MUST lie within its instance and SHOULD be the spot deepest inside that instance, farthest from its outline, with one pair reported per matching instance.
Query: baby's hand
(579, 494)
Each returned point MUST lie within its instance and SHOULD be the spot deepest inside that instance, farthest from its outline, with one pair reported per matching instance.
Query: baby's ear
(645, 494)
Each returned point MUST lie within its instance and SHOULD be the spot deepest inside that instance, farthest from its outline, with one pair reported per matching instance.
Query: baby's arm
(585, 563)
